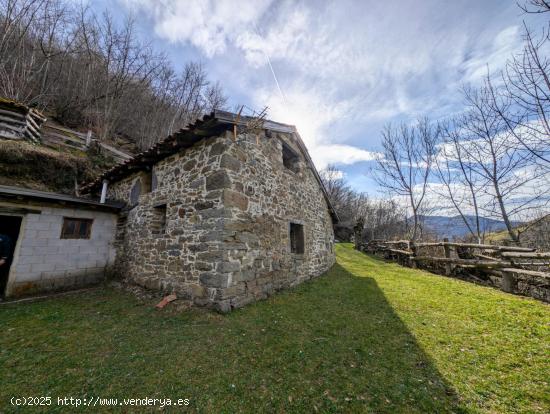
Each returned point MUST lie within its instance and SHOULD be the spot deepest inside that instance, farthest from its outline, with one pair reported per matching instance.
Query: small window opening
(296, 238)
(290, 158)
(135, 193)
(120, 234)
(147, 181)
(76, 228)
(154, 181)
(158, 224)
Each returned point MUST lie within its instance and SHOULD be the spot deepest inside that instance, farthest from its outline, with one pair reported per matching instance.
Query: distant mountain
(454, 227)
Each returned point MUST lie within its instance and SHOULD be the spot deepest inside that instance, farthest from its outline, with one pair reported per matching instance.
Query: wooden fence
(56, 136)
(20, 122)
(514, 269)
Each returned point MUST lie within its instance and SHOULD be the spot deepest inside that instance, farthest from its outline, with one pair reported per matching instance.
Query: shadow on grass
(397, 374)
(330, 345)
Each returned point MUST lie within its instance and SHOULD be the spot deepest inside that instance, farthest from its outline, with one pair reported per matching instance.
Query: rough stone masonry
(225, 221)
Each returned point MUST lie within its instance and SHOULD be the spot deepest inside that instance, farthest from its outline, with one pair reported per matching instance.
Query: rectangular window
(76, 228)
(147, 181)
(290, 158)
(296, 238)
(158, 224)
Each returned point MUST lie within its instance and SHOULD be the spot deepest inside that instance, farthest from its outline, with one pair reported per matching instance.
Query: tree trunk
(504, 213)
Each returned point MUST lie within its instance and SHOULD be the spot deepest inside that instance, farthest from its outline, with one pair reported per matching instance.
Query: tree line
(490, 160)
(89, 71)
(384, 218)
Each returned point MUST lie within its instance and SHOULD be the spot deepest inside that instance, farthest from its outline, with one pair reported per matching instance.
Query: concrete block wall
(43, 261)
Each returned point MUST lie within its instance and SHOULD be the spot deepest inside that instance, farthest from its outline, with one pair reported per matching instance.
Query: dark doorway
(9, 226)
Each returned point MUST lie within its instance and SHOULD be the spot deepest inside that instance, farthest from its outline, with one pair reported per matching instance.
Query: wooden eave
(23, 195)
(210, 125)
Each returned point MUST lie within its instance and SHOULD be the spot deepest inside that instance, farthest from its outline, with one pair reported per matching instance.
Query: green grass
(366, 337)
(497, 237)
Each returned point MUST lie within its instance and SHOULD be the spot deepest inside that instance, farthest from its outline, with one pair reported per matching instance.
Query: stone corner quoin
(227, 222)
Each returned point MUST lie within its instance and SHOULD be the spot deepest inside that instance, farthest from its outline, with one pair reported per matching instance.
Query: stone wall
(520, 281)
(229, 205)
(262, 198)
(174, 259)
(43, 261)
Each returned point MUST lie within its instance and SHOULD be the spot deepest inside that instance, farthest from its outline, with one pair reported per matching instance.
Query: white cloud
(345, 67)
(324, 155)
(438, 201)
(314, 113)
(282, 39)
(494, 55)
(207, 24)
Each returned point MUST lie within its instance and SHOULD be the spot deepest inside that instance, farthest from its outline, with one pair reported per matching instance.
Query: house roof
(210, 125)
(19, 193)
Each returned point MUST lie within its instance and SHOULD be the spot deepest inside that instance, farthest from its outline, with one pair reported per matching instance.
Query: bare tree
(527, 85)
(347, 203)
(535, 6)
(338, 191)
(380, 218)
(91, 72)
(492, 154)
(460, 182)
(384, 219)
(405, 164)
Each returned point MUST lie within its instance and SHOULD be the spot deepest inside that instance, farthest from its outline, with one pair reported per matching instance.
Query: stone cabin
(222, 213)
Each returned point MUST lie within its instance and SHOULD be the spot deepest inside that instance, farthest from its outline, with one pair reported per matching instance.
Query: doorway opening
(9, 233)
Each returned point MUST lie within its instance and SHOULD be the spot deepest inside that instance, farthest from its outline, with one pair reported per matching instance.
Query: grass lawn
(366, 337)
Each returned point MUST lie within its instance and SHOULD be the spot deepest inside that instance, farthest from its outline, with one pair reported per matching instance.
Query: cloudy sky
(344, 67)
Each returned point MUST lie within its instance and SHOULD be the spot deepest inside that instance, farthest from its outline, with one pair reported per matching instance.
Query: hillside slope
(368, 336)
(40, 168)
(454, 227)
(532, 234)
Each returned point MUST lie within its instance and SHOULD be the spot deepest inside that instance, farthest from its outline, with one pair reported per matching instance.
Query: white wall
(44, 261)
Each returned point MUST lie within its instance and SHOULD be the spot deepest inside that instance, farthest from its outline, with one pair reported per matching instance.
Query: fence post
(509, 282)
(88, 138)
(414, 249)
(448, 266)
(358, 233)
